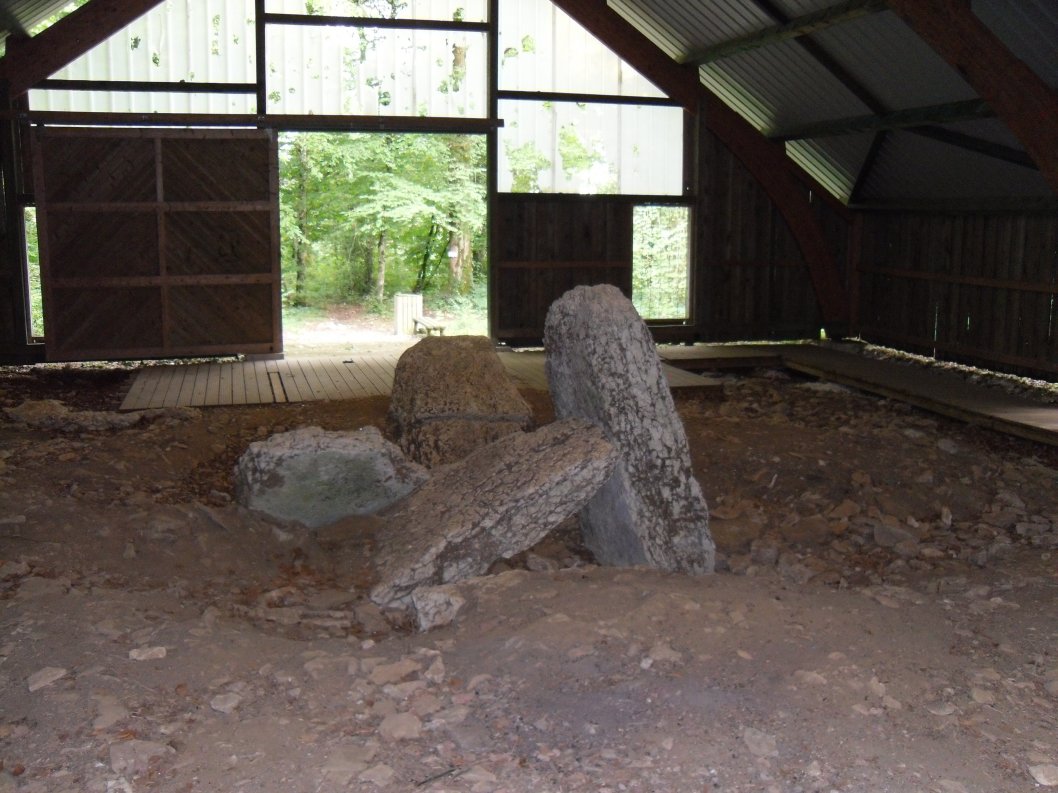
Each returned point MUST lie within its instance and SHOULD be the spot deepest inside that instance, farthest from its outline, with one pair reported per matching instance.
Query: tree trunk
(424, 264)
(367, 278)
(302, 248)
(380, 269)
(460, 266)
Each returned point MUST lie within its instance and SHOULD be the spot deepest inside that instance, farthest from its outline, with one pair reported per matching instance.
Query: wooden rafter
(41, 56)
(794, 28)
(901, 119)
(1021, 99)
(765, 159)
(989, 148)
(877, 144)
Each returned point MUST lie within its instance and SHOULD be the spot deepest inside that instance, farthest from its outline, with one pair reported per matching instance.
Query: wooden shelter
(879, 169)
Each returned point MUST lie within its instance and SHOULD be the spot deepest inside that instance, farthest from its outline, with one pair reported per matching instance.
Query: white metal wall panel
(403, 72)
(543, 49)
(200, 41)
(463, 10)
(640, 147)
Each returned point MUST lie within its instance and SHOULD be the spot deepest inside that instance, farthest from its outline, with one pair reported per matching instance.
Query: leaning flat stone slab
(452, 395)
(318, 477)
(603, 366)
(497, 502)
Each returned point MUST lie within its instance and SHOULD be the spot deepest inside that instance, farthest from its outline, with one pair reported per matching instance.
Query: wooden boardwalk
(306, 379)
(929, 388)
(309, 379)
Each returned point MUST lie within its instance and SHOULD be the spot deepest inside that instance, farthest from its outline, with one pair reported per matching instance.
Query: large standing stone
(317, 477)
(452, 395)
(497, 502)
(603, 366)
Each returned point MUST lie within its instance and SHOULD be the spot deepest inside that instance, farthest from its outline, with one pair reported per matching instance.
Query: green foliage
(576, 157)
(365, 215)
(660, 256)
(36, 310)
(526, 163)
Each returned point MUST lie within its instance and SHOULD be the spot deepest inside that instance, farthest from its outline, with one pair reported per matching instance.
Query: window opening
(660, 261)
(35, 305)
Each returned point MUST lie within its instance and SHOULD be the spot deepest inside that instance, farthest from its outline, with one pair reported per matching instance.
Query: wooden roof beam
(39, 57)
(794, 28)
(996, 151)
(970, 110)
(1021, 99)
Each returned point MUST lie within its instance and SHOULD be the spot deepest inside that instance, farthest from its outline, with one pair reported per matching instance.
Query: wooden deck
(305, 379)
(932, 389)
(309, 379)
(929, 388)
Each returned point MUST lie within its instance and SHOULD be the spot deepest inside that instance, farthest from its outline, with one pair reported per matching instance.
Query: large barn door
(546, 245)
(157, 243)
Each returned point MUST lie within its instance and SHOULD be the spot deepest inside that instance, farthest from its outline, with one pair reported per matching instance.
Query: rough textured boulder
(317, 477)
(451, 395)
(497, 502)
(603, 366)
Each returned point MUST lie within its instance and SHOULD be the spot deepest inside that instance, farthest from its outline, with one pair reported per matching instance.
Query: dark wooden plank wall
(976, 288)
(545, 246)
(15, 343)
(751, 279)
(157, 243)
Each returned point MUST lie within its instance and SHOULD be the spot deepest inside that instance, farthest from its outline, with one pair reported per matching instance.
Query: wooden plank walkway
(309, 379)
(714, 357)
(932, 389)
(304, 379)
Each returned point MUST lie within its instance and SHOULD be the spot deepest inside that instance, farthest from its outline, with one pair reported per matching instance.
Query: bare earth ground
(885, 620)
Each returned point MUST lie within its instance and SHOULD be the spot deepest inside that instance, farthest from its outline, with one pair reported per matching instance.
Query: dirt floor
(885, 619)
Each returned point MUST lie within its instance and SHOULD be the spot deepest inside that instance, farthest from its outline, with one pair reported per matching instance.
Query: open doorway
(661, 255)
(367, 216)
(35, 305)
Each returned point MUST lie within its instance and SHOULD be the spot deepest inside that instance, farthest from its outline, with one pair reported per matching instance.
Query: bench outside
(428, 326)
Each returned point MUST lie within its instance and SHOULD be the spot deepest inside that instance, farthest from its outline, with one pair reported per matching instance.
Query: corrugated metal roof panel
(680, 27)
(893, 63)
(835, 162)
(28, 13)
(789, 84)
(990, 129)
(913, 167)
(1029, 28)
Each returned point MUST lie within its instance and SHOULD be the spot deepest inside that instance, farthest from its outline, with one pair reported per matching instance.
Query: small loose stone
(147, 653)
(1045, 774)
(380, 775)
(225, 703)
(400, 727)
(45, 677)
(759, 743)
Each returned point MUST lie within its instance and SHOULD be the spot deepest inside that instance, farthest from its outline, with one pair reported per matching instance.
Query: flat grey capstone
(603, 366)
(317, 477)
(499, 501)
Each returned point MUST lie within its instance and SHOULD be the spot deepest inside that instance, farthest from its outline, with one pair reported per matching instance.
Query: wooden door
(546, 245)
(158, 243)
